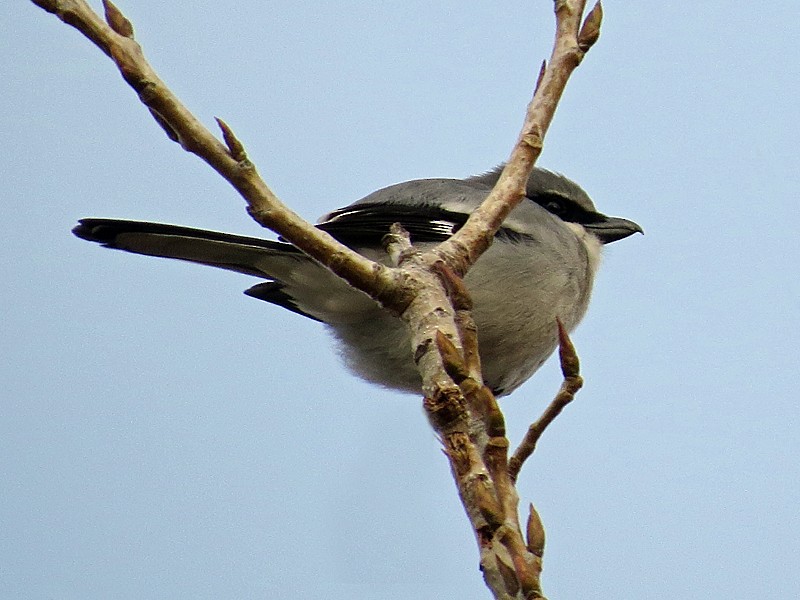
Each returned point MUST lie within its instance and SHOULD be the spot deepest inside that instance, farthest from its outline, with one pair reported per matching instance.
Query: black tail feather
(106, 231)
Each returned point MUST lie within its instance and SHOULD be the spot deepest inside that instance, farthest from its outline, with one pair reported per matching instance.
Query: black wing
(366, 224)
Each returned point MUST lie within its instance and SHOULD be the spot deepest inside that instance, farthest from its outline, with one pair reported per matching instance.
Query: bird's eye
(556, 207)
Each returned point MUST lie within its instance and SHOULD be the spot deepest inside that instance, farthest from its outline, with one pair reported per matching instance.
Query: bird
(540, 268)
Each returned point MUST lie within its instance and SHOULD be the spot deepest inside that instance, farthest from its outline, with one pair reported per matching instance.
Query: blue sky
(164, 436)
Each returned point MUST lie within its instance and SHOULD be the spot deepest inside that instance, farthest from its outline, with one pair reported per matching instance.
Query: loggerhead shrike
(541, 266)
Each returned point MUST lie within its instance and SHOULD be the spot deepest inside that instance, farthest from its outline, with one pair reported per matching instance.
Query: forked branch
(424, 289)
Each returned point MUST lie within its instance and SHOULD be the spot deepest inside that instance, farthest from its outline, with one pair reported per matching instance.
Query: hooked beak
(611, 229)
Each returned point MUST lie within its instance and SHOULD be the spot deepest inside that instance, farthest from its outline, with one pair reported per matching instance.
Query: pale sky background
(165, 437)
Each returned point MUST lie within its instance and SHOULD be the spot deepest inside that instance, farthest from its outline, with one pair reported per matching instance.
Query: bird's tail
(233, 252)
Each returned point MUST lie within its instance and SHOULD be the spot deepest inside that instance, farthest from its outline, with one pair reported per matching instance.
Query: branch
(570, 46)
(229, 159)
(473, 433)
(570, 369)
(424, 289)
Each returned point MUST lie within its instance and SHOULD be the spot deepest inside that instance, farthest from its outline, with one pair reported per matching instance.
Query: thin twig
(570, 369)
(468, 243)
(115, 38)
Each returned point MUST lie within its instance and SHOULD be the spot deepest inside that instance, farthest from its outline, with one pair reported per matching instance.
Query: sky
(165, 436)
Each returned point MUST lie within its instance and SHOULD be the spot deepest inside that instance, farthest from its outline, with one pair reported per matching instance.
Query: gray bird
(541, 266)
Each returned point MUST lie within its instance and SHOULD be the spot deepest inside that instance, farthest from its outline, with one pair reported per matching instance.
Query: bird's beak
(611, 229)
